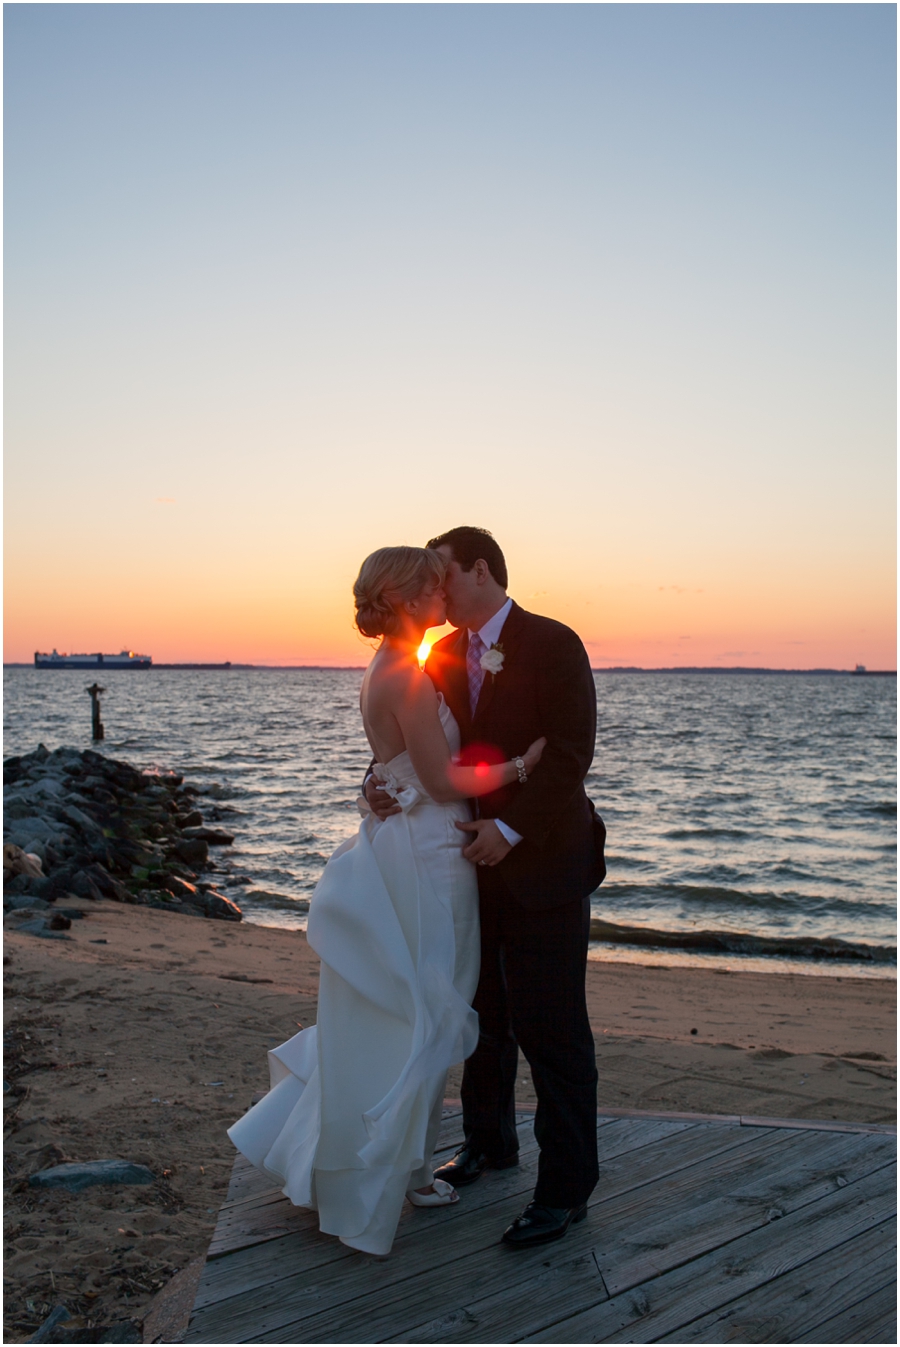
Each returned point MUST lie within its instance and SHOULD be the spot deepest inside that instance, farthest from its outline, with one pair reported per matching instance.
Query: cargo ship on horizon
(126, 659)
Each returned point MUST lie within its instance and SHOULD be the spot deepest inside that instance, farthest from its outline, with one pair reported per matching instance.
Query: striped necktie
(473, 668)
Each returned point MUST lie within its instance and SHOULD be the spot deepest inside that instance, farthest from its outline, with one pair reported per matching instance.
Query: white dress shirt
(490, 635)
(490, 632)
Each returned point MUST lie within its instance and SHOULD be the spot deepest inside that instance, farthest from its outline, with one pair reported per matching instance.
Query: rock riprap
(78, 823)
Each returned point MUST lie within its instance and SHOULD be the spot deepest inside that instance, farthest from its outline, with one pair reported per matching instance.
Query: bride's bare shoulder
(396, 682)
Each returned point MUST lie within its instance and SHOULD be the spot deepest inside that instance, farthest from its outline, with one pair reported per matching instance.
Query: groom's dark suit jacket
(544, 688)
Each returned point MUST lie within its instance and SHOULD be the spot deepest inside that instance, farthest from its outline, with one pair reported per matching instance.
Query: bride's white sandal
(443, 1195)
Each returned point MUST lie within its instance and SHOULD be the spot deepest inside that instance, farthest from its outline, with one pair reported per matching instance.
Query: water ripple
(765, 804)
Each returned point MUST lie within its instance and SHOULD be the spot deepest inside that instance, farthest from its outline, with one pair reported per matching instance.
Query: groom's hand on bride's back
(379, 801)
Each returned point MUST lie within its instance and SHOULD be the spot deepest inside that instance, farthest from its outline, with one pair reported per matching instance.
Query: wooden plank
(228, 1237)
(375, 1317)
(366, 1300)
(231, 1295)
(364, 1304)
(246, 1181)
(669, 1115)
(272, 1269)
(450, 1135)
(240, 1218)
(309, 1249)
(799, 1303)
(235, 1210)
(247, 1217)
(820, 1125)
(748, 1120)
(646, 1233)
(626, 1171)
(627, 1137)
(256, 1211)
(248, 1186)
(506, 1314)
(710, 1157)
(554, 1332)
(261, 1223)
(871, 1320)
(664, 1304)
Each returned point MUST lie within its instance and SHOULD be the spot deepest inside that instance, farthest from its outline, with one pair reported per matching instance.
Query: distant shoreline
(739, 669)
(615, 669)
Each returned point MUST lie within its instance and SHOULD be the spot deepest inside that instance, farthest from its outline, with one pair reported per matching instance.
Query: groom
(509, 678)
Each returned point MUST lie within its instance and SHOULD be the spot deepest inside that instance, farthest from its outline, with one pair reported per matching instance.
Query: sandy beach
(142, 1036)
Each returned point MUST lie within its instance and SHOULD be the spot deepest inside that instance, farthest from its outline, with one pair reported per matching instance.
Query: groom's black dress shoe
(539, 1224)
(468, 1165)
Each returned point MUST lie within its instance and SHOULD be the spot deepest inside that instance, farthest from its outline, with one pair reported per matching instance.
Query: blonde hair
(388, 578)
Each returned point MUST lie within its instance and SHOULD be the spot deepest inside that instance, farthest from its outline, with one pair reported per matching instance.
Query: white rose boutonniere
(492, 660)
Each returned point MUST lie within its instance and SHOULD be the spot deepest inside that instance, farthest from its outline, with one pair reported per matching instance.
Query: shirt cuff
(512, 837)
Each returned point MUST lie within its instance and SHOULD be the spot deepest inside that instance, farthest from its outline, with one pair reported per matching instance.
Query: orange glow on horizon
(225, 607)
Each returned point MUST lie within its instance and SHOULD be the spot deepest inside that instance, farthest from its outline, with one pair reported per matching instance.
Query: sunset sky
(288, 283)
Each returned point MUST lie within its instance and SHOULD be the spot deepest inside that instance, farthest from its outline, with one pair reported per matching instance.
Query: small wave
(685, 834)
(789, 903)
(285, 901)
(742, 942)
(786, 870)
(219, 792)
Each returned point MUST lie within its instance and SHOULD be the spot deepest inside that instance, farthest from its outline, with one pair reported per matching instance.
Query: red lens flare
(481, 756)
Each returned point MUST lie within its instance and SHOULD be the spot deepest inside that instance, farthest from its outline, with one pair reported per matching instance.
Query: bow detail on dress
(406, 796)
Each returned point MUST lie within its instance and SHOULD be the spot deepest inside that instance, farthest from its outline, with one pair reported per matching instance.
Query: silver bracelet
(519, 764)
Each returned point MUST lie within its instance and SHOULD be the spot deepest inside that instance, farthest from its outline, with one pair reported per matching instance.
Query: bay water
(760, 804)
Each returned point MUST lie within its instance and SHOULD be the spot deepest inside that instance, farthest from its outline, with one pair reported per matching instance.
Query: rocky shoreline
(78, 824)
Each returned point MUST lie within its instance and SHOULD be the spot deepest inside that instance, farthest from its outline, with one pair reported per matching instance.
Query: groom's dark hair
(469, 545)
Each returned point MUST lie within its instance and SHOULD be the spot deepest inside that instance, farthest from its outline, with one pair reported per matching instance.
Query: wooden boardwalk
(720, 1231)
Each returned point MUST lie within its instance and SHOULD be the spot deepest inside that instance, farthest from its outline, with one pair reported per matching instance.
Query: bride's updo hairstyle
(389, 578)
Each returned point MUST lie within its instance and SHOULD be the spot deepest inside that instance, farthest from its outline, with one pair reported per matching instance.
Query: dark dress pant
(531, 994)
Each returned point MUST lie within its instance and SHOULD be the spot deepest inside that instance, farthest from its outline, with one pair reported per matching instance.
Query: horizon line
(228, 666)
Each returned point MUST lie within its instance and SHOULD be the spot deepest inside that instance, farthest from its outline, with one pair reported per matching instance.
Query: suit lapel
(456, 682)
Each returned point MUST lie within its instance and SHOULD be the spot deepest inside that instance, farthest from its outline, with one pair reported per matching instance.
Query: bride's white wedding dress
(352, 1116)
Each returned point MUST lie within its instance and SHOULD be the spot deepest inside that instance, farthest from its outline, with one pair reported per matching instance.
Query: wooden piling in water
(97, 731)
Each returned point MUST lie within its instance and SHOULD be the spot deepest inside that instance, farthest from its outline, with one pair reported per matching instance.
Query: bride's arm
(417, 714)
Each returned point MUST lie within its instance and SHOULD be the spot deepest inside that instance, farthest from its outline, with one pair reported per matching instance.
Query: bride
(350, 1122)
